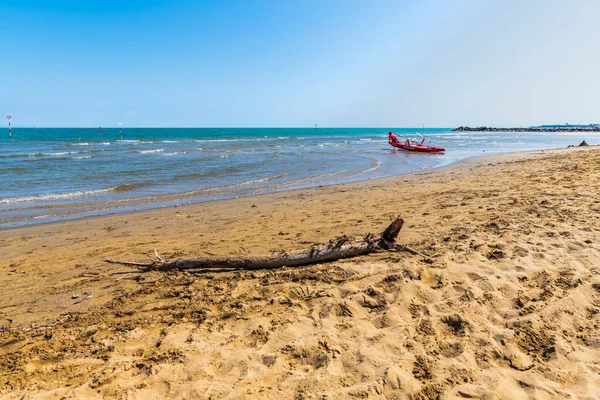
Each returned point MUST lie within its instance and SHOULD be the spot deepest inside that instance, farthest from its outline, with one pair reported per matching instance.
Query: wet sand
(507, 306)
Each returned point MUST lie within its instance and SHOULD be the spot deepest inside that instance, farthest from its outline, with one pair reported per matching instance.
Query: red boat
(413, 146)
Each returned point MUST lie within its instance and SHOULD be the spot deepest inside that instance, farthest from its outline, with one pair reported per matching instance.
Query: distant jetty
(541, 128)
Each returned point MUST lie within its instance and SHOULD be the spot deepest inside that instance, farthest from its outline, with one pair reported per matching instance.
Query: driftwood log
(335, 250)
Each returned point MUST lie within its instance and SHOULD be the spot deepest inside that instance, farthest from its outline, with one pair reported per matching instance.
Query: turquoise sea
(51, 174)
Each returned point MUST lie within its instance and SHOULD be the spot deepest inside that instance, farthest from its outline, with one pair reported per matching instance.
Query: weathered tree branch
(337, 249)
(411, 251)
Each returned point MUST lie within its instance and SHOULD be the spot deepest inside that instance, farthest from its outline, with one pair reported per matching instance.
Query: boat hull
(417, 147)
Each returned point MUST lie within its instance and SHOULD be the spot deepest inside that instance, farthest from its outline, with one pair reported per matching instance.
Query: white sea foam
(311, 178)
(81, 158)
(171, 141)
(151, 151)
(237, 185)
(173, 154)
(215, 140)
(373, 168)
(129, 141)
(52, 196)
(79, 144)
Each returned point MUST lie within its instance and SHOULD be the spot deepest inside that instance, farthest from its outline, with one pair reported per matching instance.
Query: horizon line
(230, 127)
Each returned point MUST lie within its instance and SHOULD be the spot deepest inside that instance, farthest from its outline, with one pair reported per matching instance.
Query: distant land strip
(542, 128)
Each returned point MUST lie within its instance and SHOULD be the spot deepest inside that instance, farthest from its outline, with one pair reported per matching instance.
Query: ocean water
(53, 174)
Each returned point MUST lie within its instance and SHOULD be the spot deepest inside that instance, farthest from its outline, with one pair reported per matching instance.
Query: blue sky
(296, 63)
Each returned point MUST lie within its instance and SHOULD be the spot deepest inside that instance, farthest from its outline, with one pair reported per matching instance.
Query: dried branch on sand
(336, 249)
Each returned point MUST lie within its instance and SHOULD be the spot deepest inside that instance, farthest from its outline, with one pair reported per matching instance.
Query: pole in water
(9, 128)
(121, 129)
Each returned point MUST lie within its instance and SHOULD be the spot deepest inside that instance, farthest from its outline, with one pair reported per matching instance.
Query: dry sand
(507, 307)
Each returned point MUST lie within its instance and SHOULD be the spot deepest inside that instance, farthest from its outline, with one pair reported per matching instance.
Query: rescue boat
(413, 146)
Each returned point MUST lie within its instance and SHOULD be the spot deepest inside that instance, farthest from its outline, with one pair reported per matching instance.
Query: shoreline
(507, 303)
(187, 202)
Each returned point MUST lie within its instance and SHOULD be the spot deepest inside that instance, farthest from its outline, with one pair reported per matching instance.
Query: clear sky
(339, 63)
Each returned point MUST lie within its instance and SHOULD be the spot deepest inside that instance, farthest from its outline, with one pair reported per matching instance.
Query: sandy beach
(506, 306)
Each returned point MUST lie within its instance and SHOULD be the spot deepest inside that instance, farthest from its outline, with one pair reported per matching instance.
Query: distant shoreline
(573, 128)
